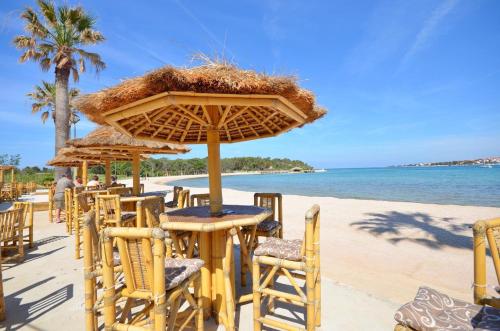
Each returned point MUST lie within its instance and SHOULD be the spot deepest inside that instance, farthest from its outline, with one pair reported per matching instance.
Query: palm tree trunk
(62, 116)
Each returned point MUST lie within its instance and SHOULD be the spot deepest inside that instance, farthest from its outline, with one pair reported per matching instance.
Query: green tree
(44, 98)
(55, 37)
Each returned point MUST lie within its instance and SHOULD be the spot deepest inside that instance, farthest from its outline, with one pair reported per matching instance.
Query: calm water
(443, 185)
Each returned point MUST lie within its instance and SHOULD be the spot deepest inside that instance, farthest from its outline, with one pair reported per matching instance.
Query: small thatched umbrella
(12, 172)
(209, 104)
(83, 158)
(106, 139)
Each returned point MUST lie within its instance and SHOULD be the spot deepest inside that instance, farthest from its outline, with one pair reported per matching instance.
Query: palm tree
(44, 98)
(55, 37)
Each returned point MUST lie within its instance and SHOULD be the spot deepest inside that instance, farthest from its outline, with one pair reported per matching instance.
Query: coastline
(401, 245)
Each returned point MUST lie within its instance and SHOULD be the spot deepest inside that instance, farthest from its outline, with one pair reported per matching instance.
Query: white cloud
(429, 28)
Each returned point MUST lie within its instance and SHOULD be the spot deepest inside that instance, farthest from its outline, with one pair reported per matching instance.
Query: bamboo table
(129, 203)
(216, 249)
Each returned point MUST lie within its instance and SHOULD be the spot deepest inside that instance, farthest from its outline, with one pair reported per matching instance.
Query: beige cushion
(280, 248)
(178, 270)
(434, 311)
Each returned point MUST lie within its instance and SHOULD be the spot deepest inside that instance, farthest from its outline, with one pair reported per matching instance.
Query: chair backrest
(310, 245)
(177, 190)
(27, 211)
(202, 199)
(121, 191)
(109, 206)
(271, 201)
(11, 224)
(90, 233)
(135, 246)
(84, 201)
(150, 210)
(183, 200)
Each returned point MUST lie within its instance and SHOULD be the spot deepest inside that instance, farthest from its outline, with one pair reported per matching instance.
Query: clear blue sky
(404, 81)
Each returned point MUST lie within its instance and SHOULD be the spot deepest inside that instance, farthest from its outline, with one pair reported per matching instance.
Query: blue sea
(468, 185)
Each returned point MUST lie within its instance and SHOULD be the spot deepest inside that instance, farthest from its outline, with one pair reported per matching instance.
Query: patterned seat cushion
(434, 311)
(267, 226)
(178, 270)
(280, 248)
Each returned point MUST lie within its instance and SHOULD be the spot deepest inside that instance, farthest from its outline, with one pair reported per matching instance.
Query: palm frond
(94, 58)
(45, 116)
(49, 12)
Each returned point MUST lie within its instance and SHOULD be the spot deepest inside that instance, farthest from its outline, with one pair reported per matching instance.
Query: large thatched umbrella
(106, 139)
(12, 172)
(209, 104)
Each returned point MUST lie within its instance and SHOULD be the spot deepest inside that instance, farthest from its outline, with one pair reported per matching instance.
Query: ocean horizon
(455, 185)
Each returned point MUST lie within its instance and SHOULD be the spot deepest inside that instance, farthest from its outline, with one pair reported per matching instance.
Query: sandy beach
(374, 254)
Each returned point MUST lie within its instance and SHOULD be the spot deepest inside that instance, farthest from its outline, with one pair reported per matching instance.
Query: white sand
(374, 256)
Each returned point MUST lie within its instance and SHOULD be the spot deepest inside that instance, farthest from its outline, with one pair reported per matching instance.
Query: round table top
(199, 218)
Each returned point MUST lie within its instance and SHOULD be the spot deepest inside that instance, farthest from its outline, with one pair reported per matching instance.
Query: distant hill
(483, 161)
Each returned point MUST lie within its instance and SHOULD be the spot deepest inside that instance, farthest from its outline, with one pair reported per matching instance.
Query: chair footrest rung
(278, 324)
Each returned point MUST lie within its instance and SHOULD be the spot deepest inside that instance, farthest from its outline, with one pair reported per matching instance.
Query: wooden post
(108, 283)
(159, 280)
(214, 168)
(1, 175)
(88, 269)
(12, 175)
(107, 167)
(2, 300)
(79, 171)
(85, 172)
(136, 169)
(309, 243)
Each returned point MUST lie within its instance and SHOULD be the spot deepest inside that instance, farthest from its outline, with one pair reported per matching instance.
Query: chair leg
(199, 303)
(256, 296)
(310, 305)
(31, 236)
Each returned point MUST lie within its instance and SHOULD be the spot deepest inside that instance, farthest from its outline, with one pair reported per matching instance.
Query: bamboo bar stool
(109, 207)
(183, 199)
(174, 203)
(270, 227)
(27, 215)
(11, 233)
(162, 283)
(295, 259)
(202, 199)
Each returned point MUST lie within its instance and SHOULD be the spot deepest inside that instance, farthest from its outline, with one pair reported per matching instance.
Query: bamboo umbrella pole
(136, 165)
(85, 172)
(206, 277)
(12, 175)
(214, 168)
(107, 167)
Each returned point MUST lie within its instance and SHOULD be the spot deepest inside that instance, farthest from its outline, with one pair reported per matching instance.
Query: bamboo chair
(1, 197)
(83, 204)
(109, 207)
(92, 266)
(487, 231)
(183, 199)
(141, 188)
(295, 259)
(121, 191)
(2, 299)
(161, 283)
(8, 191)
(27, 215)
(174, 203)
(149, 210)
(11, 233)
(270, 227)
(201, 200)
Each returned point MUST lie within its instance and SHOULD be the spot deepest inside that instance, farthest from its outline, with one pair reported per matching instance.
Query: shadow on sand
(21, 313)
(424, 229)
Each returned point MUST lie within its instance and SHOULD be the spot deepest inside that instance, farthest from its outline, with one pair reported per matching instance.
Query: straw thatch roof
(68, 161)
(6, 167)
(214, 78)
(109, 139)
(179, 104)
